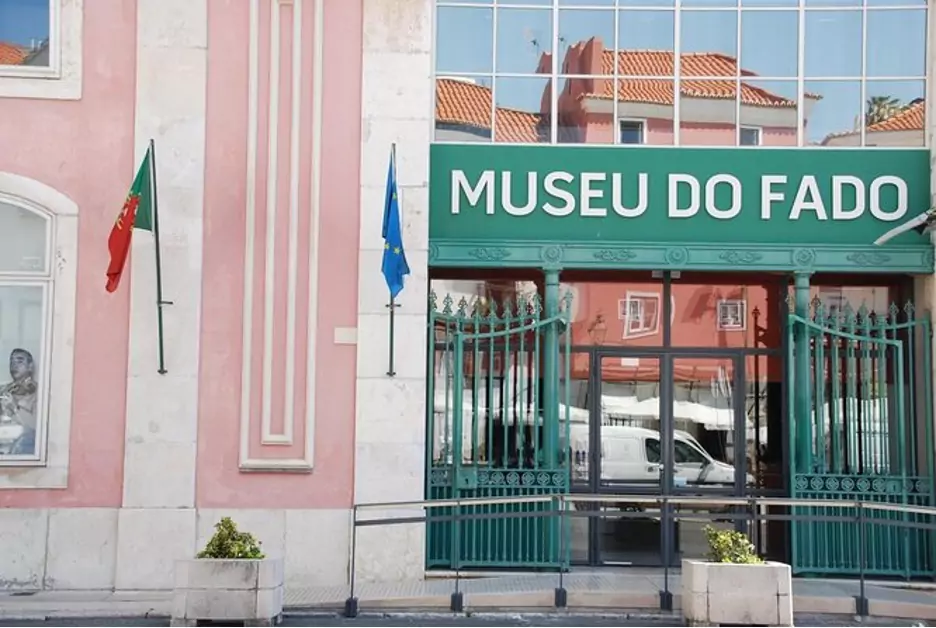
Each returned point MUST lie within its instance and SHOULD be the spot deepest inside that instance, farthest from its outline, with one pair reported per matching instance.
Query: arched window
(27, 287)
(38, 246)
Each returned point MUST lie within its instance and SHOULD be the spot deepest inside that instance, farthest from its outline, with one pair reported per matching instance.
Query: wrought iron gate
(860, 394)
(496, 427)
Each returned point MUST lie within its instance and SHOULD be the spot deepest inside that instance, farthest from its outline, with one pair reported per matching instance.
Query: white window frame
(756, 129)
(642, 328)
(53, 437)
(62, 78)
(643, 130)
(720, 317)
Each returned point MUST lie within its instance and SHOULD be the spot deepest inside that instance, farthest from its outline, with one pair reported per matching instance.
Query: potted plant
(230, 580)
(735, 585)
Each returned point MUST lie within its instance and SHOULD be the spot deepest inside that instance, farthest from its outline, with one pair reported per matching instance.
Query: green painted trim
(445, 253)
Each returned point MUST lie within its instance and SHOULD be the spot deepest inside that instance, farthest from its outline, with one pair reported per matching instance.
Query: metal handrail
(664, 502)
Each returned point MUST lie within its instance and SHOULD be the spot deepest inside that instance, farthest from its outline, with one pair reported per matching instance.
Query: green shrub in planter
(231, 544)
(730, 546)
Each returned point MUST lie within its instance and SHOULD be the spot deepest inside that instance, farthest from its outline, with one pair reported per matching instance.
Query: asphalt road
(482, 620)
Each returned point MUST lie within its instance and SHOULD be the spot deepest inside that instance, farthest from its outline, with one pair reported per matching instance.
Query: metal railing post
(561, 597)
(666, 596)
(351, 603)
(457, 601)
(861, 602)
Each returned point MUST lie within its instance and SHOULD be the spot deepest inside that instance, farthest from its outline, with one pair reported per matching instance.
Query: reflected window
(632, 131)
(640, 313)
(25, 32)
(750, 136)
(731, 314)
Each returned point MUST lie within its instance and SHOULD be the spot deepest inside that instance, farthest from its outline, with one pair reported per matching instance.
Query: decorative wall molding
(274, 171)
(700, 256)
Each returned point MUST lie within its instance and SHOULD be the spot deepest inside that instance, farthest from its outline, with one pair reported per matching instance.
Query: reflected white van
(633, 455)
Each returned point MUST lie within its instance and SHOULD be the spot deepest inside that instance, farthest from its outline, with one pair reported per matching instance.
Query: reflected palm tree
(880, 108)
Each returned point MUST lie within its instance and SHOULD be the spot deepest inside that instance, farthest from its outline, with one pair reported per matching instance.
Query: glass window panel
(463, 109)
(709, 34)
(833, 113)
(707, 113)
(524, 37)
(833, 3)
(883, 3)
(521, 105)
(24, 33)
(769, 42)
(833, 43)
(651, 102)
(586, 38)
(896, 43)
(895, 113)
(22, 240)
(771, 108)
(709, 3)
(769, 3)
(647, 31)
(21, 326)
(626, 312)
(464, 40)
(586, 110)
(586, 3)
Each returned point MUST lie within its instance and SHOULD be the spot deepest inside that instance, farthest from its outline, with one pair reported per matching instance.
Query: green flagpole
(159, 295)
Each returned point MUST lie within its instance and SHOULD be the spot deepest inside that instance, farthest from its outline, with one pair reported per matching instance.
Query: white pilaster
(162, 410)
(390, 433)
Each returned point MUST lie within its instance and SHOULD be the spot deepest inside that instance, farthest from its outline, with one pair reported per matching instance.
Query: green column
(551, 371)
(802, 449)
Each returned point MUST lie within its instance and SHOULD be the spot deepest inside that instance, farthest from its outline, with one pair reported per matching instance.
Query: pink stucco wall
(85, 151)
(220, 482)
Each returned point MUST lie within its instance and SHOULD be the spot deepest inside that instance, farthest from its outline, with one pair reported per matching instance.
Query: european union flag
(394, 266)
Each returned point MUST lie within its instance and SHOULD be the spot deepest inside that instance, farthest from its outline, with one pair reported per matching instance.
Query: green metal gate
(860, 394)
(495, 428)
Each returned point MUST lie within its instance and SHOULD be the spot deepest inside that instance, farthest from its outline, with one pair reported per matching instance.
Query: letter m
(485, 186)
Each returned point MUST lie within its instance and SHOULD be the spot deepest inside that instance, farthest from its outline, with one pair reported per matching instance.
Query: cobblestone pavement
(481, 619)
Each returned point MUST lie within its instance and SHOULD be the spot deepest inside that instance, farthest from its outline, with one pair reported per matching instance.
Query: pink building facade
(272, 132)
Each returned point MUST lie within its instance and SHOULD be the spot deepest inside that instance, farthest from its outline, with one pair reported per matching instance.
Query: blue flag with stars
(394, 266)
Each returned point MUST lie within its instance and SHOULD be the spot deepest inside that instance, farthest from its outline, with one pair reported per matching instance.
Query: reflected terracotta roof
(460, 102)
(11, 54)
(662, 63)
(909, 119)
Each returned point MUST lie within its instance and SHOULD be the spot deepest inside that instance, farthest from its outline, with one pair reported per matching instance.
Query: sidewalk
(609, 592)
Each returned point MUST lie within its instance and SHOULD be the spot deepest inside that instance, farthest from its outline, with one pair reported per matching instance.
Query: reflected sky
(24, 21)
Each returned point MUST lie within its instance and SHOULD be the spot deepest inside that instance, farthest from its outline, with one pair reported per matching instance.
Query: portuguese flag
(137, 213)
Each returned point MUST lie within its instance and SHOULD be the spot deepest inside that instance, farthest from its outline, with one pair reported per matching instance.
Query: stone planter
(228, 590)
(746, 595)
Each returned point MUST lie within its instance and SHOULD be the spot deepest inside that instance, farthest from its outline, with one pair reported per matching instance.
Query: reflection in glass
(21, 325)
(833, 43)
(763, 407)
(645, 105)
(587, 3)
(769, 3)
(586, 110)
(895, 113)
(768, 113)
(769, 42)
(24, 38)
(708, 113)
(583, 33)
(464, 40)
(518, 117)
(835, 115)
(645, 3)
(711, 32)
(646, 30)
(903, 3)
(896, 43)
(463, 109)
(22, 240)
(523, 37)
(618, 314)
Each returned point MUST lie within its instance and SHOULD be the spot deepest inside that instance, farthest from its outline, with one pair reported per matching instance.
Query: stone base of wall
(136, 548)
